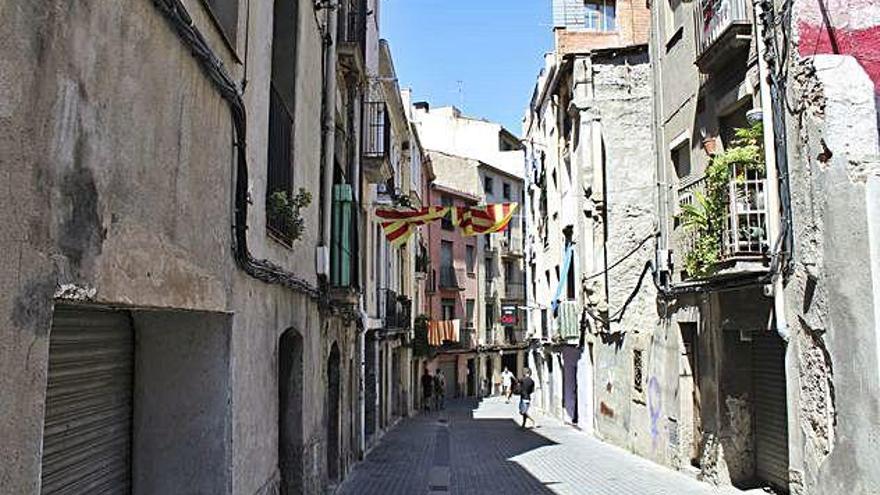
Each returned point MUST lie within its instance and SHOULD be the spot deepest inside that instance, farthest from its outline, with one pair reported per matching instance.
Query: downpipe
(328, 130)
(774, 222)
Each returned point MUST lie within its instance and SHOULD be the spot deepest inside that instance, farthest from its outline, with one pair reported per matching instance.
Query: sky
(483, 56)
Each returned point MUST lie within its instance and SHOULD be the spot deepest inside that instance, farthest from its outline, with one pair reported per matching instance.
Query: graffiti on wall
(655, 409)
(842, 27)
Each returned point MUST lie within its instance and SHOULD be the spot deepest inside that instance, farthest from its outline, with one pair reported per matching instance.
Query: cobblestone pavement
(470, 449)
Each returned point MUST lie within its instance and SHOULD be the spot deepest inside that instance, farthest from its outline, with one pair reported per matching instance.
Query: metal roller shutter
(771, 418)
(87, 426)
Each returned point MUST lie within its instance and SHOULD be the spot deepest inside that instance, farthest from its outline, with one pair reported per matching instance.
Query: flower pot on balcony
(710, 144)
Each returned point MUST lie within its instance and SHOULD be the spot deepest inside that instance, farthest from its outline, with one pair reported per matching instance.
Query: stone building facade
(483, 162)
(161, 306)
(590, 225)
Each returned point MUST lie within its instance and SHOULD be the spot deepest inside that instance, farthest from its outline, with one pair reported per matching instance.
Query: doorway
(333, 380)
(689, 386)
(290, 389)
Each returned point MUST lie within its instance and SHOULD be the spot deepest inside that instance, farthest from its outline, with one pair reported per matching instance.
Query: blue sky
(494, 47)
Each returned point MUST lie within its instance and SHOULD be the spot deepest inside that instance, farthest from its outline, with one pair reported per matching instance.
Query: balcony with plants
(722, 227)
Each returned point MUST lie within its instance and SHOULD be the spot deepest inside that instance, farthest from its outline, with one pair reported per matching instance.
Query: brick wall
(633, 23)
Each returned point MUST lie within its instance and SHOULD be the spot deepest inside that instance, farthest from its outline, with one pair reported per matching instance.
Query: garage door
(87, 426)
(771, 418)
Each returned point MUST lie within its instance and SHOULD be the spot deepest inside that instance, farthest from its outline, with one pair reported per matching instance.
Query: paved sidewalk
(470, 449)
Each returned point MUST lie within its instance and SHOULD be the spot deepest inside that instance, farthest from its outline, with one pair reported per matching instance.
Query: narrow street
(491, 454)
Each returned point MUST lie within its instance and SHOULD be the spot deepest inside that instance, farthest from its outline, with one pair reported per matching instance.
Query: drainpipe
(774, 224)
(328, 130)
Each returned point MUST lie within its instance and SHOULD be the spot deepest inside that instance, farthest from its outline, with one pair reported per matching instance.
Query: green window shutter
(341, 247)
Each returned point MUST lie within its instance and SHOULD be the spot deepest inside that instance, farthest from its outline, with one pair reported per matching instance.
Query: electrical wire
(261, 269)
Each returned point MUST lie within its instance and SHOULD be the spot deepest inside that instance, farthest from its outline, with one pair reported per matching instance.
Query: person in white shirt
(506, 379)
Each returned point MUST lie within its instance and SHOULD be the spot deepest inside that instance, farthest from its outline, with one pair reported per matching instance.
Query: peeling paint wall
(832, 294)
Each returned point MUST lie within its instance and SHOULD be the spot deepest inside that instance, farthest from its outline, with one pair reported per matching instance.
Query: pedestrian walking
(526, 388)
(506, 379)
(427, 389)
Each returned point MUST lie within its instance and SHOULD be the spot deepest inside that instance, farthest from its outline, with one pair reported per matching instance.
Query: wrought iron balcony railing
(720, 26)
(395, 309)
(450, 278)
(377, 142)
(744, 228)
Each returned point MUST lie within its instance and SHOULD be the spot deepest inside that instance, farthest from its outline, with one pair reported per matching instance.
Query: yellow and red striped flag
(485, 219)
(399, 225)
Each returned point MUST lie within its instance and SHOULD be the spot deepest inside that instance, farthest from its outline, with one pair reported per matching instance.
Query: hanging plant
(284, 210)
(705, 217)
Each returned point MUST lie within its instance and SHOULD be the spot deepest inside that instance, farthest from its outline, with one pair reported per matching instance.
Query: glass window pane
(610, 16)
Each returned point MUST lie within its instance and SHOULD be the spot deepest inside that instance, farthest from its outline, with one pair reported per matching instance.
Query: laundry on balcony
(443, 330)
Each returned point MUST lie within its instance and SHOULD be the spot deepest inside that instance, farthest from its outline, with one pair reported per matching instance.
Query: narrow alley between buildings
(477, 447)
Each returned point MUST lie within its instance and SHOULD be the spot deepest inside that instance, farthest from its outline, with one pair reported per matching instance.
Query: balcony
(515, 291)
(468, 337)
(511, 245)
(394, 309)
(451, 278)
(351, 35)
(744, 242)
(377, 143)
(723, 29)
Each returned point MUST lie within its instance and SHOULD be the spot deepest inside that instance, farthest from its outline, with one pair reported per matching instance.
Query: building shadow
(462, 449)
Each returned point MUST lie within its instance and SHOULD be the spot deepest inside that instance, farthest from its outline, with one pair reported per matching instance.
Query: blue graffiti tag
(654, 407)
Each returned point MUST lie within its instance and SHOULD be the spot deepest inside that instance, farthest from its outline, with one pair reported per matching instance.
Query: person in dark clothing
(427, 389)
(526, 388)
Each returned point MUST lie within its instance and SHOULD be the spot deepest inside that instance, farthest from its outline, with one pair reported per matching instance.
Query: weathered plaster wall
(631, 416)
(832, 295)
(117, 171)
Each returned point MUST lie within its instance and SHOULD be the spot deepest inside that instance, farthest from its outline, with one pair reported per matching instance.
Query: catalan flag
(399, 225)
(485, 219)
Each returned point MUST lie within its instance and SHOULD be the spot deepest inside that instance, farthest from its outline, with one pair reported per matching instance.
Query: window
(600, 15)
(505, 188)
(508, 274)
(488, 186)
(674, 18)
(225, 13)
(469, 313)
(446, 254)
(279, 186)
(638, 371)
(681, 159)
(471, 258)
(544, 323)
(446, 222)
(490, 270)
(447, 307)
(490, 316)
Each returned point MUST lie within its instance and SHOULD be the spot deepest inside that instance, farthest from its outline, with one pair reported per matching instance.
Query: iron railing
(714, 17)
(352, 21)
(746, 223)
(515, 290)
(744, 233)
(687, 195)
(449, 278)
(396, 309)
(377, 130)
